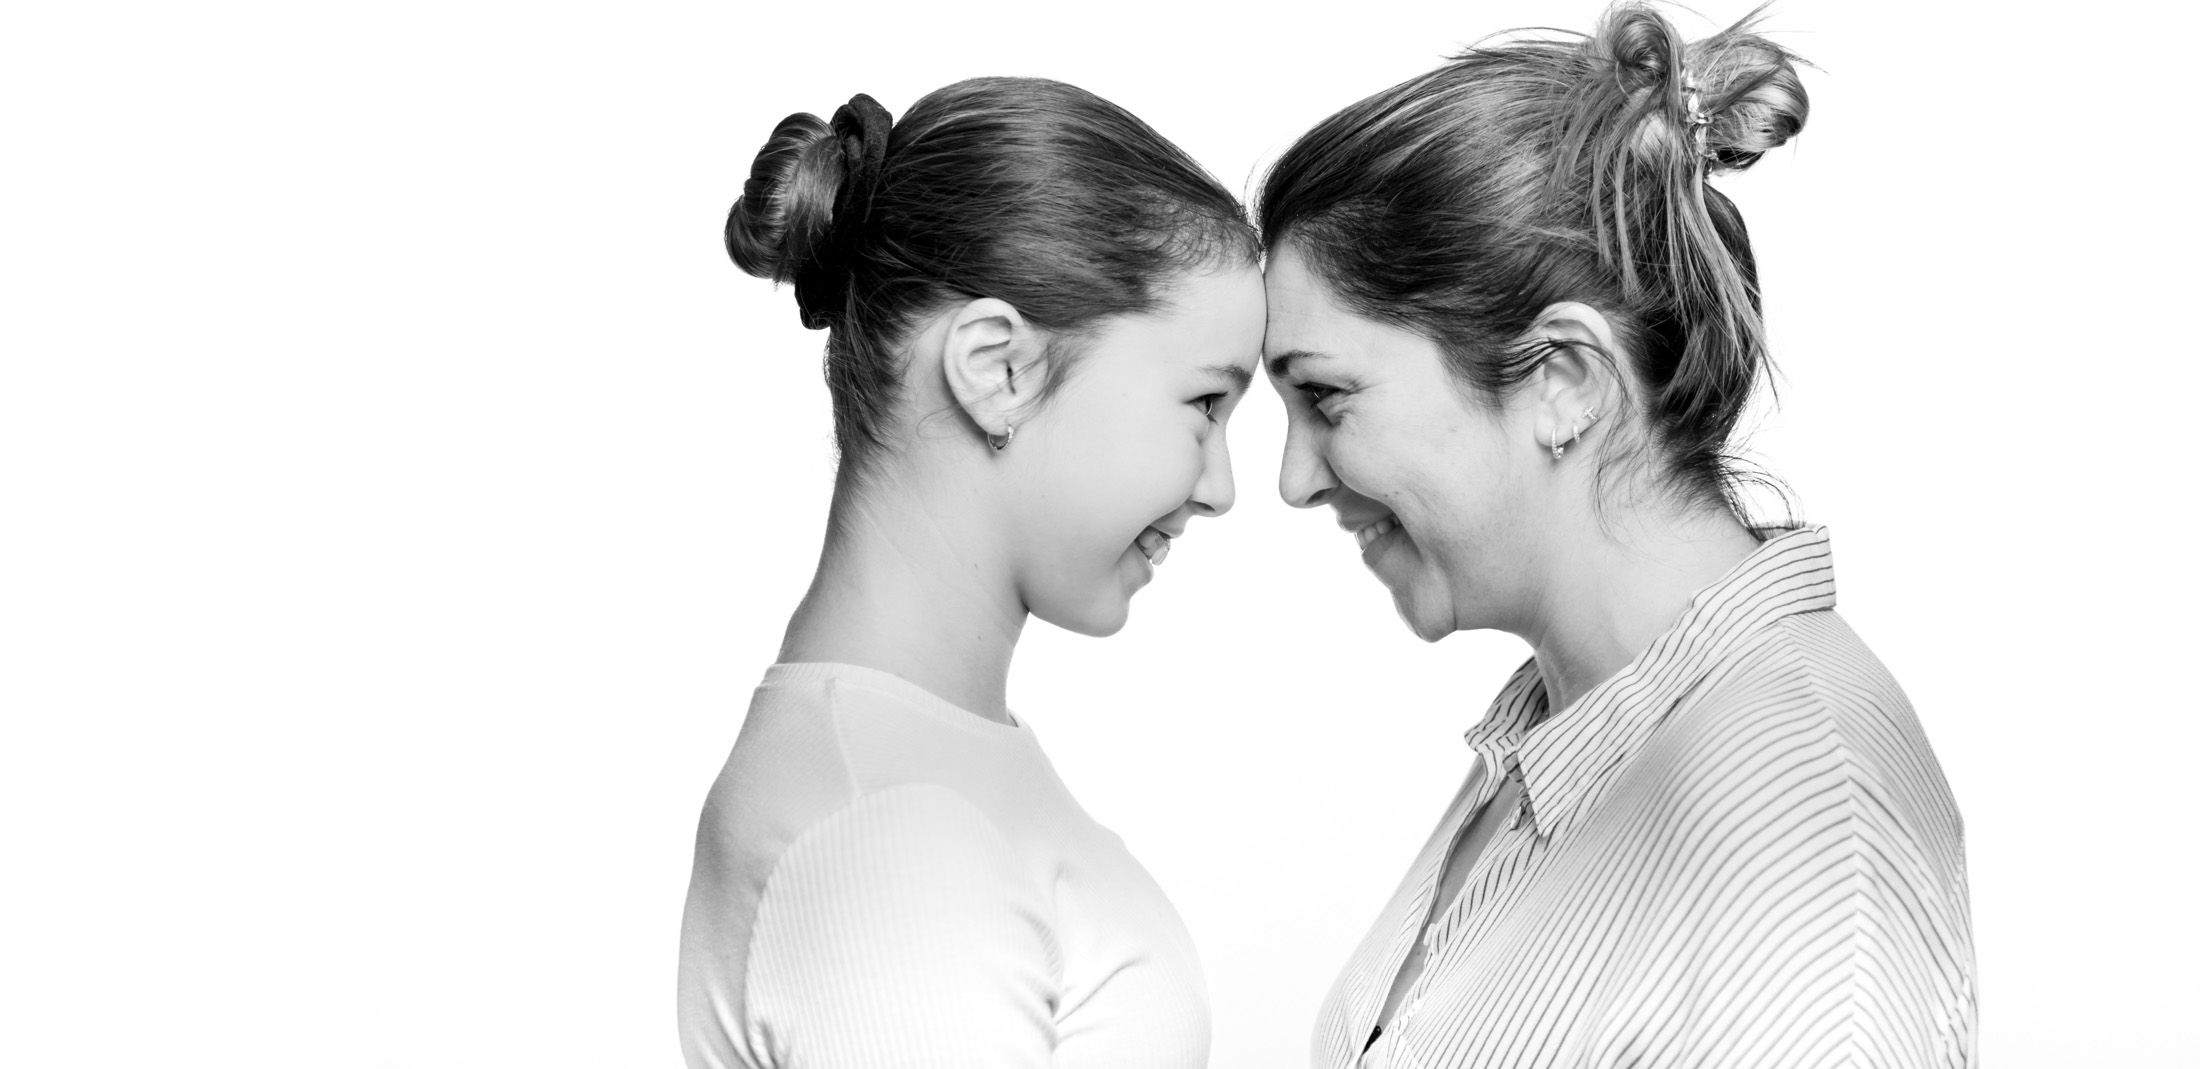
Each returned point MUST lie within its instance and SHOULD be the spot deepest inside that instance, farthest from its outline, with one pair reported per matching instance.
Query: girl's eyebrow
(1238, 378)
(1279, 365)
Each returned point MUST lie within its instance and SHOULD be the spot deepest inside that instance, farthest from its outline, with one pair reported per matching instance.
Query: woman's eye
(1208, 404)
(1317, 396)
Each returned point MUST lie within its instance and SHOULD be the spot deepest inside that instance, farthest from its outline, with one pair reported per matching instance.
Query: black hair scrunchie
(821, 287)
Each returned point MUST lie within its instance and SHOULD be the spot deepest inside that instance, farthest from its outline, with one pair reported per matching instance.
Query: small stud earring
(1000, 441)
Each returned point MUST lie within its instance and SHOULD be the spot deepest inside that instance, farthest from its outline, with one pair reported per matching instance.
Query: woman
(1041, 314)
(1514, 329)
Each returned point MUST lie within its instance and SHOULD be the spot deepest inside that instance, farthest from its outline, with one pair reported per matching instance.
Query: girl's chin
(1102, 608)
(1101, 616)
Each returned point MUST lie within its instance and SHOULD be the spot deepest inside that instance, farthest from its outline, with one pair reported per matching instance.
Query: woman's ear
(1576, 388)
(995, 362)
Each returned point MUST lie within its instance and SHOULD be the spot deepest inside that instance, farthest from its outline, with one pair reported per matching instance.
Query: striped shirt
(1739, 852)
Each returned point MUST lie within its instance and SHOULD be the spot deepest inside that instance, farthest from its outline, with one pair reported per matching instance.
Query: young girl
(1042, 314)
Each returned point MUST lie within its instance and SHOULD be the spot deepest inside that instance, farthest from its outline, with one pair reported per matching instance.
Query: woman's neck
(907, 587)
(1616, 592)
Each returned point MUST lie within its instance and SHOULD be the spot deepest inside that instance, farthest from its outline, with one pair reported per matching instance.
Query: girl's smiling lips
(1154, 543)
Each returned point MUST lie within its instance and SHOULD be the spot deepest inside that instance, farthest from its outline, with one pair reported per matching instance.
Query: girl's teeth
(1154, 545)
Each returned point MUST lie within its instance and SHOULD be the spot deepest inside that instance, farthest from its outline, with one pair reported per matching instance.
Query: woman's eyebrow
(1279, 365)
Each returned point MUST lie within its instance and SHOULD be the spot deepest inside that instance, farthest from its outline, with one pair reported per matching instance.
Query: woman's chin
(1424, 628)
(1421, 602)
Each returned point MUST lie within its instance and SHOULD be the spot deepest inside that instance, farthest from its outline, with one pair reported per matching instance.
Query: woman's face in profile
(1429, 481)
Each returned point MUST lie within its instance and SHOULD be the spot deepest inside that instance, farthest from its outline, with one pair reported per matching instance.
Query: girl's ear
(995, 362)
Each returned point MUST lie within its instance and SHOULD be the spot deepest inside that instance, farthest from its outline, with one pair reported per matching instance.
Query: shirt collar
(1561, 759)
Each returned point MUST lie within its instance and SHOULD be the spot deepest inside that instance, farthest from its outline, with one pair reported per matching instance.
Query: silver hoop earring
(1588, 419)
(1000, 441)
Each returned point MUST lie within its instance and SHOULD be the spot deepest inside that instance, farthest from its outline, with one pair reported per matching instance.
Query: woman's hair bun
(1751, 93)
(809, 174)
(1734, 96)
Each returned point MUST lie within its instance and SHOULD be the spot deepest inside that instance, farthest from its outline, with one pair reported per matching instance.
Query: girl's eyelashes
(1209, 403)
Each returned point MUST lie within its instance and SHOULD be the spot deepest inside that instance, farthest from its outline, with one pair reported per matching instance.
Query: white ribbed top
(1737, 853)
(885, 879)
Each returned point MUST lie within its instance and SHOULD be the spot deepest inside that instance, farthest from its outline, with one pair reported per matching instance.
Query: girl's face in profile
(1131, 448)
(1428, 481)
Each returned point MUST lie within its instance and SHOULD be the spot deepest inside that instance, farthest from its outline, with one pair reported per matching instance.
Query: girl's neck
(908, 588)
(1618, 591)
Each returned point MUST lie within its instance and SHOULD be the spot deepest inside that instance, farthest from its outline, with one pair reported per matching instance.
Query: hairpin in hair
(1699, 124)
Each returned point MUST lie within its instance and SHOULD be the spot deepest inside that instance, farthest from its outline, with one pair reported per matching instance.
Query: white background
(400, 494)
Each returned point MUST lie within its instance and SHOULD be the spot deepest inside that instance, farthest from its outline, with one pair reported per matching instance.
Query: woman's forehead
(1302, 318)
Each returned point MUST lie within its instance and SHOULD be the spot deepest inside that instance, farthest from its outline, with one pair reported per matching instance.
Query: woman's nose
(1305, 480)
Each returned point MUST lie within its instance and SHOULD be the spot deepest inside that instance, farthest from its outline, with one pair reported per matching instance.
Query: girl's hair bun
(786, 208)
(808, 176)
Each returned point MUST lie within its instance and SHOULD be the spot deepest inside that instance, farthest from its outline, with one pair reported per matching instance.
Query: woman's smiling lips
(1373, 535)
(1370, 532)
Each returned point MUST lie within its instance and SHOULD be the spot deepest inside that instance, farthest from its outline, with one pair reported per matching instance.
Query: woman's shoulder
(1797, 826)
(1807, 720)
(1810, 673)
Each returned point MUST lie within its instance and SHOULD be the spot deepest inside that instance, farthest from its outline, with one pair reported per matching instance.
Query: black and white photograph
(1188, 535)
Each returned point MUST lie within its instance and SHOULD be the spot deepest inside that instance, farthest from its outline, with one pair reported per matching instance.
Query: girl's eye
(1208, 404)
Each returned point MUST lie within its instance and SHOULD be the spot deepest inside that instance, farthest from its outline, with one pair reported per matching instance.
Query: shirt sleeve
(903, 932)
(1911, 976)
(1816, 930)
